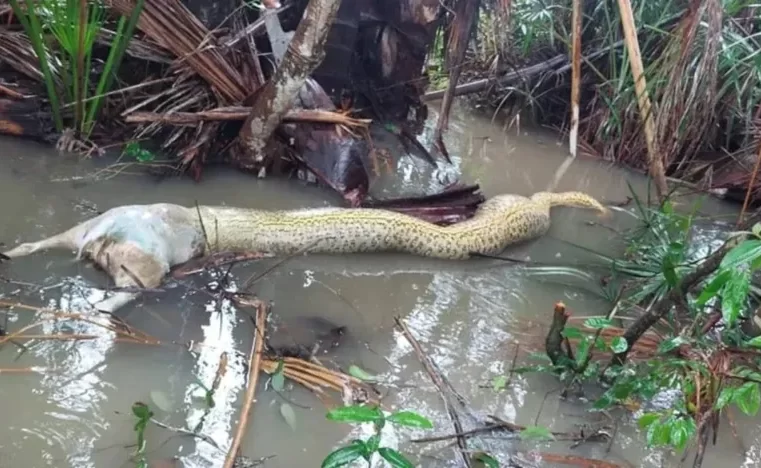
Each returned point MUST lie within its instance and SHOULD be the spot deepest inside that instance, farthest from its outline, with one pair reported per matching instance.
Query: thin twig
(437, 380)
(253, 376)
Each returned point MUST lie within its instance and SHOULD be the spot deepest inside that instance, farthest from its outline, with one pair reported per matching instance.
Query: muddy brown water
(467, 315)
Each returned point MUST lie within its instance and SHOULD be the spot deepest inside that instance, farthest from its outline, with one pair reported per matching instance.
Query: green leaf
(572, 333)
(659, 433)
(485, 459)
(345, 455)
(746, 252)
(670, 344)
(355, 413)
(499, 383)
(725, 397)
(754, 342)
(735, 294)
(681, 432)
(597, 323)
(142, 411)
(713, 288)
(286, 411)
(748, 398)
(372, 444)
(756, 230)
(669, 270)
(582, 350)
(605, 401)
(647, 419)
(361, 374)
(410, 419)
(394, 458)
(536, 432)
(619, 344)
(278, 378)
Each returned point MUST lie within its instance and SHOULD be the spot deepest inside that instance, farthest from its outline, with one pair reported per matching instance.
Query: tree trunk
(305, 53)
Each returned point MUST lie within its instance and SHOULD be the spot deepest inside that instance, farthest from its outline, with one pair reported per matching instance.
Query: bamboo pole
(575, 77)
(655, 160)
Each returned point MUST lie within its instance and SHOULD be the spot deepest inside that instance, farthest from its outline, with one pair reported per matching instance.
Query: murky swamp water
(467, 316)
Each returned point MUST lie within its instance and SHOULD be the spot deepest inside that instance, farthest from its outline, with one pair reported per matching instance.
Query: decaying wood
(239, 113)
(465, 14)
(554, 340)
(23, 118)
(10, 92)
(270, 105)
(548, 66)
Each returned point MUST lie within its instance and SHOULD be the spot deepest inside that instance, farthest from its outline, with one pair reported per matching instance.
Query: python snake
(138, 244)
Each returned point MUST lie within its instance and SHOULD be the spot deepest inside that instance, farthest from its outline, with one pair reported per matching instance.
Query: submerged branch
(253, 377)
(440, 383)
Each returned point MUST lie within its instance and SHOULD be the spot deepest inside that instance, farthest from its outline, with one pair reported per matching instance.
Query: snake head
(605, 213)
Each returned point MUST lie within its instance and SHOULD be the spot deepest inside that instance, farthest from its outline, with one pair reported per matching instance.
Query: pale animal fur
(138, 244)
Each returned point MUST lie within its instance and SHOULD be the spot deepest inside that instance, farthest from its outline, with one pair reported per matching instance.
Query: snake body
(138, 244)
(500, 221)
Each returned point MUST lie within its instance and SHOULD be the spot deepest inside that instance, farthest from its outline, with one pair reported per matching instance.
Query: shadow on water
(467, 315)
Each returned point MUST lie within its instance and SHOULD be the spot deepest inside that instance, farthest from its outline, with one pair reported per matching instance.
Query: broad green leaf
(582, 350)
(410, 419)
(572, 333)
(536, 432)
(659, 433)
(754, 342)
(360, 373)
(598, 322)
(600, 344)
(605, 401)
(278, 378)
(289, 415)
(756, 230)
(670, 344)
(647, 419)
(394, 458)
(372, 444)
(713, 288)
(142, 411)
(619, 344)
(622, 390)
(344, 455)
(747, 373)
(668, 269)
(498, 383)
(355, 413)
(681, 432)
(735, 294)
(746, 252)
(726, 396)
(485, 459)
(748, 398)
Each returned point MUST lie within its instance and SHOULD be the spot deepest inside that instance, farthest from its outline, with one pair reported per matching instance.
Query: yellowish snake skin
(500, 221)
(138, 244)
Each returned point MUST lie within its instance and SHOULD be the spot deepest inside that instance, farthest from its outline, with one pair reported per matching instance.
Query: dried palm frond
(17, 52)
(173, 27)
